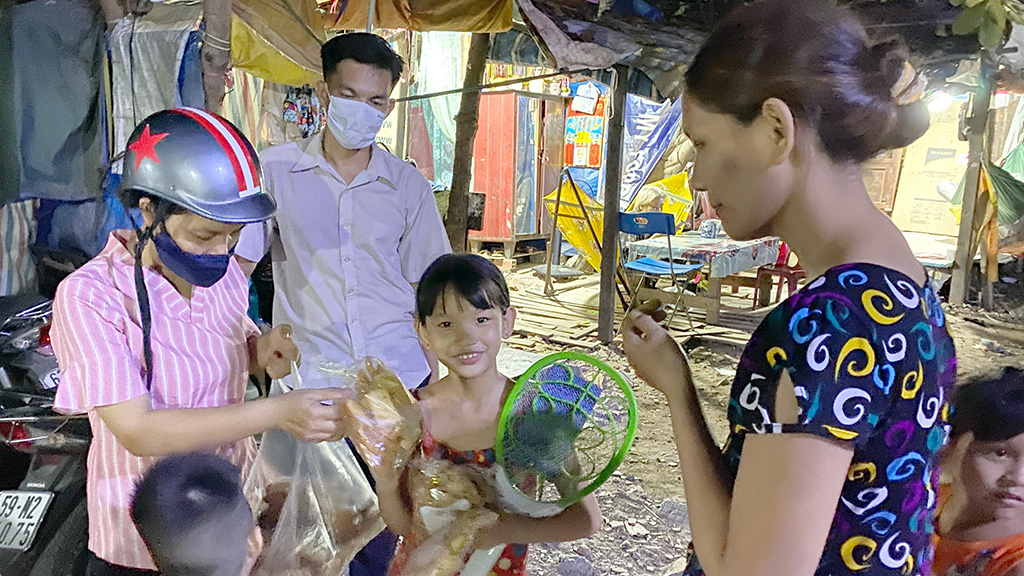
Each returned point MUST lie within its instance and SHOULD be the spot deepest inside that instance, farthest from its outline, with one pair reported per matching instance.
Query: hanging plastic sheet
(253, 51)
(145, 57)
(242, 102)
(649, 129)
(422, 15)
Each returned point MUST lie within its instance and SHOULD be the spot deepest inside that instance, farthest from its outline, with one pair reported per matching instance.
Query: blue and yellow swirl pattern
(872, 364)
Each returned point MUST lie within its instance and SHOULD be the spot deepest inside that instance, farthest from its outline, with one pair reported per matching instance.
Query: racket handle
(482, 561)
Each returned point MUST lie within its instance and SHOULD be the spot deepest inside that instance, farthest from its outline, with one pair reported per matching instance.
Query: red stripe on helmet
(233, 145)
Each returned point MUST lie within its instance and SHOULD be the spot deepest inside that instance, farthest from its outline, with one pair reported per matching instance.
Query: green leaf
(970, 20)
(1015, 17)
(956, 2)
(991, 34)
(973, 3)
(997, 13)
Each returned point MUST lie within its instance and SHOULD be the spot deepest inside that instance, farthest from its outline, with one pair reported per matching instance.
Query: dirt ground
(646, 527)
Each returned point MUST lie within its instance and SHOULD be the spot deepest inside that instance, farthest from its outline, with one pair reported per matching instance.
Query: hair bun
(911, 123)
(816, 57)
(889, 74)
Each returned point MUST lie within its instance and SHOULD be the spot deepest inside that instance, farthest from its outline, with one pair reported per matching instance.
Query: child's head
(193, 516)
(988, 432)
(464, 311)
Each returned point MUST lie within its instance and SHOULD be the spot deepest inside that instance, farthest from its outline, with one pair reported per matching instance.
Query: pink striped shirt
(200, 358)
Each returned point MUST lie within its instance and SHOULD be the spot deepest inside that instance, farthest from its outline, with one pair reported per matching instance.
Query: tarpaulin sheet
(424, 15)
(573, 221)
(250, 51)
(278, 40)
(649, 128)
(57, 52)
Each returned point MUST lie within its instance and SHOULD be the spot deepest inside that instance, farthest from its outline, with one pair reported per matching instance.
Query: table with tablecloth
(722, 256)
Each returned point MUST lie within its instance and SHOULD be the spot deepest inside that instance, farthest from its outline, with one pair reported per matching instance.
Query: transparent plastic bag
(313, 504)
(449, 503)
(386, 422)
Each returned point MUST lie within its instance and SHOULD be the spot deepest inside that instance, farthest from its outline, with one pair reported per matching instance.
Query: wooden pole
(963, 260)
(549, 288)
(467, 121)
(370, 15)
(612, 184)
(216, 51)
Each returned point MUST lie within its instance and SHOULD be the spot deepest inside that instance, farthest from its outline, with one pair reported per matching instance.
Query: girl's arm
(577, 521)
(392, 504)
(144, 431)
(776, 518)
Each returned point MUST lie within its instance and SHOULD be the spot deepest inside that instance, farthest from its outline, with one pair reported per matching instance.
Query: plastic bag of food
(314, 506)
(385, 421)
(449, 503)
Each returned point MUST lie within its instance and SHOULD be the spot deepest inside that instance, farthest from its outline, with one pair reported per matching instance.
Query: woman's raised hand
(652, 352)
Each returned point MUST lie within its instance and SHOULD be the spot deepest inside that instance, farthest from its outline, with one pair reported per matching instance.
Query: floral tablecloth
(723, 256)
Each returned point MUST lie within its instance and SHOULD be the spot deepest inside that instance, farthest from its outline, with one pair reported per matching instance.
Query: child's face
(465, 338)
(992, 476)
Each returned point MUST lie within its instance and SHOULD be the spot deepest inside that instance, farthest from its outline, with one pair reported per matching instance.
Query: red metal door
(494, 162)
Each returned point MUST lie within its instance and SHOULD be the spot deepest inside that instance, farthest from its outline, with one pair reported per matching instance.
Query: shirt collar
(379, 168)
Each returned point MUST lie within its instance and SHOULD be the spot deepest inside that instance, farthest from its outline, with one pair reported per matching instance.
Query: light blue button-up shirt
(345, 256)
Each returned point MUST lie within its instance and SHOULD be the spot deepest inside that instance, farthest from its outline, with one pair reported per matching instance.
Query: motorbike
(43, 515)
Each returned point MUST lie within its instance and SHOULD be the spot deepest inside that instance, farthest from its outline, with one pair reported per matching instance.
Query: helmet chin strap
(163, 209)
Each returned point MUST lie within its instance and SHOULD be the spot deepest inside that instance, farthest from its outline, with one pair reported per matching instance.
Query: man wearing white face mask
(354, 230)
(355, 226)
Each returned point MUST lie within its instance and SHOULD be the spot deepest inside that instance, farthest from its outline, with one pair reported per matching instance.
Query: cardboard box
(938, 156)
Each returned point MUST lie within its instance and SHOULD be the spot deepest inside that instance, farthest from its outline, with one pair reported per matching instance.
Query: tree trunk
(216, 52)
(466, 124)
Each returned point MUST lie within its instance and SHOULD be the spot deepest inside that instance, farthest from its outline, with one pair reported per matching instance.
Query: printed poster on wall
(584, 136)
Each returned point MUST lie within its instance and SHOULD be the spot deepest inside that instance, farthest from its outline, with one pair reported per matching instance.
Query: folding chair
(646, 223)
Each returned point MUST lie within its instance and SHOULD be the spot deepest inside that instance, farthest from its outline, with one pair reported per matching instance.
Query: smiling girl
(463, 311)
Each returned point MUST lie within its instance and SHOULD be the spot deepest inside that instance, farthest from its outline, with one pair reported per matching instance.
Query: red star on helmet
(145, 146)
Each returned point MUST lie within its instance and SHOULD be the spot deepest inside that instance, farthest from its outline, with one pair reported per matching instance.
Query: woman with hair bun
(840, 399)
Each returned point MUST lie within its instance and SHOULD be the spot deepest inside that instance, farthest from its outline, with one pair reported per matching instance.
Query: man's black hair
(181, 493)
(990, 406)
(364, 48)
(473, 277)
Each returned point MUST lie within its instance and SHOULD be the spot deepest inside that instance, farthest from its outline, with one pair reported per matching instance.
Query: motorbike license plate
(21, 513)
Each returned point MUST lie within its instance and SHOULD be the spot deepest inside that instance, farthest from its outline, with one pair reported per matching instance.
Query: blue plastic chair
(647, 223)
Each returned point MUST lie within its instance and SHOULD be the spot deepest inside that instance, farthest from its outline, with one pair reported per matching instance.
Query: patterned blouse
(873, 365)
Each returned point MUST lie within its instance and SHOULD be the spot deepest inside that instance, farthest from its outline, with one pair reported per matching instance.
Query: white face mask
(354, 124)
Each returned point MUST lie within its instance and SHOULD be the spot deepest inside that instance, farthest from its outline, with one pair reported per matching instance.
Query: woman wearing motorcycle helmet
(152, 335)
